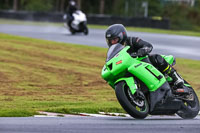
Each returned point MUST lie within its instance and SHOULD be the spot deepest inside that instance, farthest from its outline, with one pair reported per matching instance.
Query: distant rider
(70, 10)
(117, 34)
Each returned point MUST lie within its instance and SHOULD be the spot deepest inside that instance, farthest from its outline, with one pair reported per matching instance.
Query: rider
(116, 33)
(70, 10)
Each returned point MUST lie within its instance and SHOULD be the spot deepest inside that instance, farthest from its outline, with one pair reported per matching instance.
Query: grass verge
(136, 29)
(38, 75)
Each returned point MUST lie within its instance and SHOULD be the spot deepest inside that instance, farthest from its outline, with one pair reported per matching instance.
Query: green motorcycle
(141, 89)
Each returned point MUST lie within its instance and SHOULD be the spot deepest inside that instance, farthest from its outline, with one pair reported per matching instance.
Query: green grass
(38, 75)
(136, 29)
(42, 75)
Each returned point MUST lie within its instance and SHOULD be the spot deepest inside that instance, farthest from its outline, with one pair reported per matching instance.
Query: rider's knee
(158, 61)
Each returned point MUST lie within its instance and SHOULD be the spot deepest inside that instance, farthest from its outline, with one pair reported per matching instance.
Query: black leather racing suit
(138, 45)
(143, 48)
(70, 11)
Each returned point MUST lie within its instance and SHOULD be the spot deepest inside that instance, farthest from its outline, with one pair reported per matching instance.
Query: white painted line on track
(101, 114)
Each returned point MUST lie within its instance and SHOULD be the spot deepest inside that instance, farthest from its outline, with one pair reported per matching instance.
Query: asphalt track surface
(179, 46)
(176, 45)
(80, 124)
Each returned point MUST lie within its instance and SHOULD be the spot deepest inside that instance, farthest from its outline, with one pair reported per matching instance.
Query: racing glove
(143, 52)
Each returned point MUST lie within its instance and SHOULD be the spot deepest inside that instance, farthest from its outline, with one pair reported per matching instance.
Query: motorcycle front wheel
(135, 105)
(86, 30)
(72, 31)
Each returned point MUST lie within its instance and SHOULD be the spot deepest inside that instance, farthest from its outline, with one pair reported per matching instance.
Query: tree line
(113, 7)
(181, 14)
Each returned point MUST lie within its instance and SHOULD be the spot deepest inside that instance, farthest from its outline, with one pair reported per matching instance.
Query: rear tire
(128, 101)
(189, 109)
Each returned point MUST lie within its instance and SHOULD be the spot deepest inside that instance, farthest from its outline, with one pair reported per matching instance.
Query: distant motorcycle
(141, 89)
(79, 24)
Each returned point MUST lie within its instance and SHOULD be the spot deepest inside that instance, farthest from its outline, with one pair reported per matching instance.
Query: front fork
(130, 81)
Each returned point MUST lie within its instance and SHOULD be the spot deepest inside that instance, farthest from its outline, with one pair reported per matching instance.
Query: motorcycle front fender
(130, 83)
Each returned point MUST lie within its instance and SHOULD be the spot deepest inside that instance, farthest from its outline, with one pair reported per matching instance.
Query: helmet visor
(112, 41)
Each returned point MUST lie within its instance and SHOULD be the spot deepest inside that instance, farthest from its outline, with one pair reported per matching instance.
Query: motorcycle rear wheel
(137, 107)
(189, 109)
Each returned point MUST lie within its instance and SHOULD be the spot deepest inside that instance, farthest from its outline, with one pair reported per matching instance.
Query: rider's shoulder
(132, 40)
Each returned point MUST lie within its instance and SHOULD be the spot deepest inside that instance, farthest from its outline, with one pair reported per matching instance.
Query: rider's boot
(177, 80)
(162, 65)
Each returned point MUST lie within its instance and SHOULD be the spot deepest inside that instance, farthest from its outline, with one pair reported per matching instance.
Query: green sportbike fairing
(141, 89)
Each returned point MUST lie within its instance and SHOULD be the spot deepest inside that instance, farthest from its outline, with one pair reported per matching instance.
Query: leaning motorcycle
(79, 24)
(141, 89)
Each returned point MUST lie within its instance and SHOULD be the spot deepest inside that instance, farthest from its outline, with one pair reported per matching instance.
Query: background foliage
(182, 15)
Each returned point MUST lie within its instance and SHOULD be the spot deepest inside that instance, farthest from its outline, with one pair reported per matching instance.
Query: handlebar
(134, 55)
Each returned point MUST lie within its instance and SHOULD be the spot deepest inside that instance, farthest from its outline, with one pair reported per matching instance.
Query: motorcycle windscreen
(113, 50)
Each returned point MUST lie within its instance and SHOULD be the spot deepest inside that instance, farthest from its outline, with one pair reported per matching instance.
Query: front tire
(135, 105)
(86, 30)
(72, 31)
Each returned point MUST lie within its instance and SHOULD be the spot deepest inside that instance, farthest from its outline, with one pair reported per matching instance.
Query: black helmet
(116, 31)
